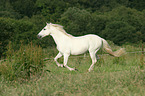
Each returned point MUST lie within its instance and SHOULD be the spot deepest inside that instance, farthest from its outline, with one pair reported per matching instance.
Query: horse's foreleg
(65, 62)
(55, 59)
(94, 60)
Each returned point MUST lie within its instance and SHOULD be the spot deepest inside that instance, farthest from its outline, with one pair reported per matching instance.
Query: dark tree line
(20, 8)
(120, 21)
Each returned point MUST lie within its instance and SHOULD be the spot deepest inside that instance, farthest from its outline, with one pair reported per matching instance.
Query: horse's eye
(44, 29)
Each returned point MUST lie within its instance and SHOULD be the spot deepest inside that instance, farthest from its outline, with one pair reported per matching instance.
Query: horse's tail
(108, 49)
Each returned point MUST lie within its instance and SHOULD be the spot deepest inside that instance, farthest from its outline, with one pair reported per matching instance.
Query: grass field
(111, 77)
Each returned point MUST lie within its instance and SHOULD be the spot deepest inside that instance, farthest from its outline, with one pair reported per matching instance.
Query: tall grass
(111, 76)
(22, 63)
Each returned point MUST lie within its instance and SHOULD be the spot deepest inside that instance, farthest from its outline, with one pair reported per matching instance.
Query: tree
(24, 7)
(51, 9)
(120, 32)
(132, 18)
(76, 21)
(15, 31)
(137, 4)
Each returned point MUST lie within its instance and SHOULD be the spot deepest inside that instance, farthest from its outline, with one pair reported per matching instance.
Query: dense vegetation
(111, 76)
(120, 21)
(23, 63)
(25, 72)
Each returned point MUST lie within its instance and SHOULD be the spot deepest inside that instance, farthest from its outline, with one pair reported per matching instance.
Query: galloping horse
(69, 45)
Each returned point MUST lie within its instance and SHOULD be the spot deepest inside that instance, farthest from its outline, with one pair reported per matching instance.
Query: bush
(9, 14)
(27, 61)
(76, 21)
(15, 31)
(119, 25)
(125, 25)
(120, 32)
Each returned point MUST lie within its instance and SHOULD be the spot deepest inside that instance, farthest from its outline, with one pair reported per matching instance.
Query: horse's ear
(50, 23)
(46, 23)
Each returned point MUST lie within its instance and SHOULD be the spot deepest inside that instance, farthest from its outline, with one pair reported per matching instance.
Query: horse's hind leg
(55, 59)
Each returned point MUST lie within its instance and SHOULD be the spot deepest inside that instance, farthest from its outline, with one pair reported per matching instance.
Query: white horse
(69, 45)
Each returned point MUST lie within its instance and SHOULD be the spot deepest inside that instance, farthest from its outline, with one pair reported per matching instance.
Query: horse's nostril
(39, 37)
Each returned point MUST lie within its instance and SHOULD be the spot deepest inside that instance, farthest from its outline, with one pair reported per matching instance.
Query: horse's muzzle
(39, 37)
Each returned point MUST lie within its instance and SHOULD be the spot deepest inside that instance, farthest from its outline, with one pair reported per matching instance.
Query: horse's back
(92, 38)
(83, 43)
(88, 36)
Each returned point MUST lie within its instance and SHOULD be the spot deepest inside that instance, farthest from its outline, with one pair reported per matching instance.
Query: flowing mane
(60, 28)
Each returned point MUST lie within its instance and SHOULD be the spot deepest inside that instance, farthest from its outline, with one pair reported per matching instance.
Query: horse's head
(45, 31)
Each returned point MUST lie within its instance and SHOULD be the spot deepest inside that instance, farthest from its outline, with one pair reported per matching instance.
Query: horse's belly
(79, 48)
(77, 52)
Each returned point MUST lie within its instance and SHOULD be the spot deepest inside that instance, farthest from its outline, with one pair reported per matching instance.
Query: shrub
(76, 21)
(15, 31)
(125, 25)
(27, 61)
(120, 32)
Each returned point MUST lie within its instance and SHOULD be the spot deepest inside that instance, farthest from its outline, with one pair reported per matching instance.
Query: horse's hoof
(61, 65)
(89, 70)
(76, 69)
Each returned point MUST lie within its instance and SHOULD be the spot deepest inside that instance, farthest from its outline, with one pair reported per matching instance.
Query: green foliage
(98, 23)
(131, 16)
(6, 10)
(77, 21)
(118, 20)
(51, 9)
(82, 22)
(139, 5)
(15, 31)
(8, 14)
(124, 23)
(24, 7)
(27, 61)
(120, 32)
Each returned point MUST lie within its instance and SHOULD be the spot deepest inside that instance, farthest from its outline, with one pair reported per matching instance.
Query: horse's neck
(59, 37)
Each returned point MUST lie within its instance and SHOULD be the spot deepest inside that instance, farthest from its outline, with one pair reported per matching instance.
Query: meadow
(123, 76)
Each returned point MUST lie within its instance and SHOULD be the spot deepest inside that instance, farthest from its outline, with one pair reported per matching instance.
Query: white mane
(60, 28)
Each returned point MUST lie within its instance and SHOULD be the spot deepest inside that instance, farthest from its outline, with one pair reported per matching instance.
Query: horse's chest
(63, 48)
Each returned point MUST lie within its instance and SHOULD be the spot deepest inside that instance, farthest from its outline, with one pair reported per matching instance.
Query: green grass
(111, 77)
